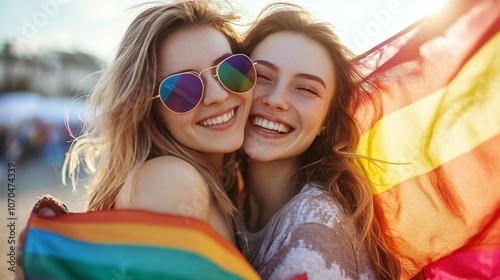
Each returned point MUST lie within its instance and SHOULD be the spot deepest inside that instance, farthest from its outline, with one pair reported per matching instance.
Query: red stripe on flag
(425, 57)
(464, 265)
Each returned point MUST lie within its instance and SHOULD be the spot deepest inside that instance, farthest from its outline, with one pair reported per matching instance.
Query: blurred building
(51, 74)
(40, 108)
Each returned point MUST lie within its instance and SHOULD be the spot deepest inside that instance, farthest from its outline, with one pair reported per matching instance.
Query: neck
(269, 187)
(217, 160)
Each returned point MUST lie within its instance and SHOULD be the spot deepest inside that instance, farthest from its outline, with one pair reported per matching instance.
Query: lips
(270, 125)
(221, 119)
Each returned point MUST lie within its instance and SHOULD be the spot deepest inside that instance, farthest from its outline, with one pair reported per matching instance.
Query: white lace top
(310, 236)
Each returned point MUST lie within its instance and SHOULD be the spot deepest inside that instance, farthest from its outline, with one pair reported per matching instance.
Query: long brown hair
(329, 160)
(122, 130)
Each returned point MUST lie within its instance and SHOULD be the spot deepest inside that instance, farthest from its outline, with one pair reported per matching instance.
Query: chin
(229, 147)
(251, 151)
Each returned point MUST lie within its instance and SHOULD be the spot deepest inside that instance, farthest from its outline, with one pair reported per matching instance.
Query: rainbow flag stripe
(129, 244)
(434, 126)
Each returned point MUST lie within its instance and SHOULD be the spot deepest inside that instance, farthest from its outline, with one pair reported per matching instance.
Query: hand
(46, 212)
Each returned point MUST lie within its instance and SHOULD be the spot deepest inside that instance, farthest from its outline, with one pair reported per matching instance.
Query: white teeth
(219, 119)
(263, 123)
(280, 127)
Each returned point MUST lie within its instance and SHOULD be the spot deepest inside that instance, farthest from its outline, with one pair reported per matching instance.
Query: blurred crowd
(33, 126)
(35, 138)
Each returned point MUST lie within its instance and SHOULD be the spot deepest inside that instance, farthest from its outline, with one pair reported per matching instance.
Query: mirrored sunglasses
(181, 93)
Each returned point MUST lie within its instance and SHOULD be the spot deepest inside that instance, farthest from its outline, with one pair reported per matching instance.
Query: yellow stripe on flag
(438, 128)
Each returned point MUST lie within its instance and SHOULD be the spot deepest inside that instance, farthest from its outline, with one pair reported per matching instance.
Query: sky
(95, 27)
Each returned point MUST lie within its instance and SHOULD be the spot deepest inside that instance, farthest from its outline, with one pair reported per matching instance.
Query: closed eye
(308, 89)
(263, 78)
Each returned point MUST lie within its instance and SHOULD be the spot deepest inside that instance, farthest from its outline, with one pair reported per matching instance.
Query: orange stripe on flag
(430, 216)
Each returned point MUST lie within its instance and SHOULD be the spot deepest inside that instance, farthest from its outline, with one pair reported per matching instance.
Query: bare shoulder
(170, 185)
(168, 169)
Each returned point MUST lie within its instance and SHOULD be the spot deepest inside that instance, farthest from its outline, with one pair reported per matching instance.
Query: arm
(46, 206)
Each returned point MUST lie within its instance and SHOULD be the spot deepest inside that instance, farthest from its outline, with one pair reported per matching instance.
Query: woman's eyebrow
(312, 77)
(267, 64)
(300, 75)
(214, 63)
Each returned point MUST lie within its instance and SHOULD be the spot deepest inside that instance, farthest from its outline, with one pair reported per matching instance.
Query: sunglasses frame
(198, 75)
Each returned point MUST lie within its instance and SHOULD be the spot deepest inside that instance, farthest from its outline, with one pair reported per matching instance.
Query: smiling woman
(307, 210)
(150, 157)
(309, 86)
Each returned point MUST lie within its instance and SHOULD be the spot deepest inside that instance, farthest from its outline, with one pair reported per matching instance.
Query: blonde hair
(329, 159)
(122, 130)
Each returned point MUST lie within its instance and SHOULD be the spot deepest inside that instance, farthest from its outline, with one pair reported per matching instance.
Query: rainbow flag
(129, 244)
(435, 127)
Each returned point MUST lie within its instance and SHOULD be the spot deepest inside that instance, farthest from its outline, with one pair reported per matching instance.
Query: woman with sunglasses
(168, 115)
(307, 210)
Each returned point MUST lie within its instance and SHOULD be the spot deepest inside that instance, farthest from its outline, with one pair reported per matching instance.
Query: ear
(322, 131)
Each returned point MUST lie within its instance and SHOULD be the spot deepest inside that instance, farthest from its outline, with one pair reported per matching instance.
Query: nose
(276, 97)
(214, 91)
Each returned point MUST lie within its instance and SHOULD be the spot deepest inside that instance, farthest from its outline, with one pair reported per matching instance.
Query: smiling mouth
(224, 118)
(270, 125)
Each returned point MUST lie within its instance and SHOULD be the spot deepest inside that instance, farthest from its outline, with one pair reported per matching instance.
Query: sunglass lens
(181, 93)
(237, 73)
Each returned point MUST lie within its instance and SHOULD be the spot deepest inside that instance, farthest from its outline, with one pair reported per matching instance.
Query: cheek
(170, 120)
(179, 127)
(313, 117)
(259, 90)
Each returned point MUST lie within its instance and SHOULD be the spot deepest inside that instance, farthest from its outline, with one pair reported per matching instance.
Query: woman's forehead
(192, 48)
(294, 52)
